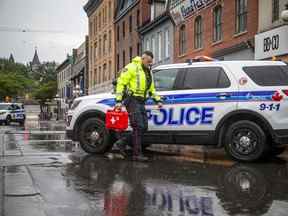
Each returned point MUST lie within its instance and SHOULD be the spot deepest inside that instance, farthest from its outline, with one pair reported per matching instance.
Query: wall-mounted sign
(181, 9)
(271, 43)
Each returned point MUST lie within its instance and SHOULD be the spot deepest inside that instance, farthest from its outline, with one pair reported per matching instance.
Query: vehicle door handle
(223, 95)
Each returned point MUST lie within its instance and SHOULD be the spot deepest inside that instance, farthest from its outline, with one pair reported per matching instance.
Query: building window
(94, 81)
(159, 46)
(95, 25)
(90, 28)
(166, 43)
(138, 49)
(130, 23)
(153, 44)
(99, 48)
(110, 70)
(275, 10)
(147, 44)
(182, 40)
(124, 60)
(241, 15)
(104, 44)
(118, 32)
(110, 10)
(104, 72)
(110, 41)
(118, 63)
(198, 30)
(130, 53)
(99, 75)
(217, 14)
(123, 29)
(138, 18)
(95, 48)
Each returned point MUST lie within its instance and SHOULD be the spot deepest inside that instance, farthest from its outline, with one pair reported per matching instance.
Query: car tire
(8, 120)
(245, 141)
(94, 137)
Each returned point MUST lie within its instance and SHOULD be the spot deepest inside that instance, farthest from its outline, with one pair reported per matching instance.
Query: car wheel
(94, 137)
(245, 141)
(8, 120)
(275, 151)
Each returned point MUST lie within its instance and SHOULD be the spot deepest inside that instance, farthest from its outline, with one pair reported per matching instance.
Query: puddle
(181, 188)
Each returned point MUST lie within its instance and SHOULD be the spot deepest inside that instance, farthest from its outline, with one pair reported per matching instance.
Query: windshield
(4, 106)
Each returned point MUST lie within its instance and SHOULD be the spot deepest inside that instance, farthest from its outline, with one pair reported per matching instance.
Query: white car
(12, 112)
(239, 105)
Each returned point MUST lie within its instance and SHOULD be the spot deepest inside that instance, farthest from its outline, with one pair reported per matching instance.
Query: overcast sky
(64, 16)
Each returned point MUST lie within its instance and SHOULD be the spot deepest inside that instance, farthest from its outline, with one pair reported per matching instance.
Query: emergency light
(116, 120)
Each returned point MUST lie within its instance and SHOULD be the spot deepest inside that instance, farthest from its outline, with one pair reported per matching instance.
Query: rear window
(268, 75)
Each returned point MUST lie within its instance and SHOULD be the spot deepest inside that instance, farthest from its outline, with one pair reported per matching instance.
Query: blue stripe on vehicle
(208, 98)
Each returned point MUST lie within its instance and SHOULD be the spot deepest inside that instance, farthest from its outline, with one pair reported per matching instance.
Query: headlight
(75, 104)
(2, 113)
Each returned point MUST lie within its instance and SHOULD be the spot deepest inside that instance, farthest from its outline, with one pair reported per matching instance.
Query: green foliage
(18, 80)
(46, 91)
(14, 79)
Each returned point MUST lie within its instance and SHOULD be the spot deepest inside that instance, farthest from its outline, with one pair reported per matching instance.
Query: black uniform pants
(138, 121)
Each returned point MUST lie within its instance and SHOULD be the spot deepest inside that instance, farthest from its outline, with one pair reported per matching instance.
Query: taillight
(285, 92)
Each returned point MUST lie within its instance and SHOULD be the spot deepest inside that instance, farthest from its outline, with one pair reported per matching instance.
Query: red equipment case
(116, 120)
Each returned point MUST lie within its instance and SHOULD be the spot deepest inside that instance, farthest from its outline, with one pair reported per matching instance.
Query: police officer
(134, 85)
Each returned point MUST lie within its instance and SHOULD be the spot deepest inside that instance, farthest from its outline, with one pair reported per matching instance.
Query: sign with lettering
(271, 43)
(181, 9)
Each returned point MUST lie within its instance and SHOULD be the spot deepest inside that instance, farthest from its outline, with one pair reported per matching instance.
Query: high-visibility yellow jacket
(133, 79)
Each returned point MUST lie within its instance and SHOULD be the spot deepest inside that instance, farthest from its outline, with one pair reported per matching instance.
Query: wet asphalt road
(41, 175)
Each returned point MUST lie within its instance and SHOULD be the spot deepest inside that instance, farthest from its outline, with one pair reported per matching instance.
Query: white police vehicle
(12, 112)
(239, 105)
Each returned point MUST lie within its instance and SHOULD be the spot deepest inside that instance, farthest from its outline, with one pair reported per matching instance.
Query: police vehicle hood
(97, 96)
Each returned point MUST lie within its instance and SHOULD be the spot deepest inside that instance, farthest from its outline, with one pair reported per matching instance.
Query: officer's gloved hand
(118, 107)
(159, 105)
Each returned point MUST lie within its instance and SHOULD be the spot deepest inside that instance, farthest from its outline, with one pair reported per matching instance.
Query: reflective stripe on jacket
(133, 78)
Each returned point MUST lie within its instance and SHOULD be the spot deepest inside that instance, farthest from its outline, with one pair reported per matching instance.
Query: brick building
(101, 44)
(223, 29)
(130, 15)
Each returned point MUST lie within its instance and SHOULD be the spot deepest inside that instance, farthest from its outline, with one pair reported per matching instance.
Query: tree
(46, 92)
(14, 79)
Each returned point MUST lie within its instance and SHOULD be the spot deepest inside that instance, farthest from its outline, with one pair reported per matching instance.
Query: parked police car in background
(12, 112)
(239, 105)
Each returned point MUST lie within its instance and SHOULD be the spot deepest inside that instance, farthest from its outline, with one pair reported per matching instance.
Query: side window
(206, 78)
(268, 75)
(165, 79)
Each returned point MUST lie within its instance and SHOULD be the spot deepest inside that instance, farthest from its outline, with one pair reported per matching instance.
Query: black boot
(121, 145)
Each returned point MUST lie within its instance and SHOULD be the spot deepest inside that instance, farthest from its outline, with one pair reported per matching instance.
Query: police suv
(12, 112)
(239, 105)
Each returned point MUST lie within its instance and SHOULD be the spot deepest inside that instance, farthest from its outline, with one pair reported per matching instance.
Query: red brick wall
(229, 37)
(131, 39)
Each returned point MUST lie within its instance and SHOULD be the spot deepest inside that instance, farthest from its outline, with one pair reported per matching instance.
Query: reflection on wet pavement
(181, 188)
(69, 182)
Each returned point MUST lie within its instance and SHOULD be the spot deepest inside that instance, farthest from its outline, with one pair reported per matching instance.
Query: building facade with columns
(101, 45)
(271, 42)
(223, 29)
